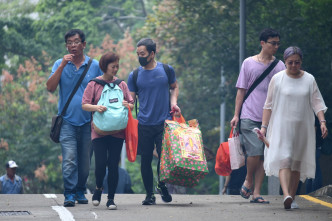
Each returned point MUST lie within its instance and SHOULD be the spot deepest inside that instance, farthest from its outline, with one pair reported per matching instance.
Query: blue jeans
(76, 145)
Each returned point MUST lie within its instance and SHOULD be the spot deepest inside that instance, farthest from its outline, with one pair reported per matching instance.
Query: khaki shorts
(251, 143)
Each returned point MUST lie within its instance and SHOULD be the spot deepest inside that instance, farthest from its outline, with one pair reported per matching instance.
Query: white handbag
(236, 154)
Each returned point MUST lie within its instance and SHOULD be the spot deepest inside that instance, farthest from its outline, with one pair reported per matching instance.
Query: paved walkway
(183, 207)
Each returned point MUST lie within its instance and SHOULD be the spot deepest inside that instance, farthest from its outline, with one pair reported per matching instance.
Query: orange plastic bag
(223, 163)
(179, 119)
(131, 137)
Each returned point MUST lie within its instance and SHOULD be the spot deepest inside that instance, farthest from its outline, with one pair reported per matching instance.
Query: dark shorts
(252, 145)
(149, 137)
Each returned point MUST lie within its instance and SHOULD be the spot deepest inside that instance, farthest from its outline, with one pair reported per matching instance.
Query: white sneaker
(287, 202)
(111, 205)
(294, 205)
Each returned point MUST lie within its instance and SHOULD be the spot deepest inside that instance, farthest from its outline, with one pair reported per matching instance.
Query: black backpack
(135, 76)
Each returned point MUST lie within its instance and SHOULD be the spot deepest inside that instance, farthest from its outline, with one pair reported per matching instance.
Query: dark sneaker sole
(148, 203)
(69, 204)
(82, 201)
(167, 199)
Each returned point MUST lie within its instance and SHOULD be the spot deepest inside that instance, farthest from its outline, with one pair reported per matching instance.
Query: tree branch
(108, 17)
(143, 8)
(121, 9)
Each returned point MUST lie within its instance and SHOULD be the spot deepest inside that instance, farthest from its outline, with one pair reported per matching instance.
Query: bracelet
(322, 121)
(264, 126)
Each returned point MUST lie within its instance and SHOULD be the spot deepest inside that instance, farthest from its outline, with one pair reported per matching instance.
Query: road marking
(50, 196)
(316, 200)
(95, 215)
(64, 214)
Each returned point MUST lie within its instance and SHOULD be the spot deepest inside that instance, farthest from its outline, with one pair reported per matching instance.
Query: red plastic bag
(223, 163)
(179, 119)
(131, 137)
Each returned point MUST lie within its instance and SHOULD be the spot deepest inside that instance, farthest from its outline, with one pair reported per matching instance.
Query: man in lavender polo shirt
(252, 110)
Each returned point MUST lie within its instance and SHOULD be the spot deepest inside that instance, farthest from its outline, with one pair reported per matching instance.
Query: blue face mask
(144, 60)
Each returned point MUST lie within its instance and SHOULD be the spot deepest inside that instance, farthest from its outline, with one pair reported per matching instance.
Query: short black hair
(73, 32)
(268, 33)
(148, 43)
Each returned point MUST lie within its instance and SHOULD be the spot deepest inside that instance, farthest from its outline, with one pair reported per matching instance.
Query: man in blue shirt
(10, 183)
(157, 97)
(75, 135)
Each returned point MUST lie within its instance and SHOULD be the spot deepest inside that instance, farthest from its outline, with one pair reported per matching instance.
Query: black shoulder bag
(257, 82)
(58, 119)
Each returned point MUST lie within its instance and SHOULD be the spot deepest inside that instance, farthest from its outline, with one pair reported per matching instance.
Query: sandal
(245, 192)
(259, 200)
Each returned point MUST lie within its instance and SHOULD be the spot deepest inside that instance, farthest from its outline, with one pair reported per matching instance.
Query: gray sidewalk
(182, 208)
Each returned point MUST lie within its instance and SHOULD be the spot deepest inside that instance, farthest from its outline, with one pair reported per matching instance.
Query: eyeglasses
(274, 43)
(293, 62)
(69, 43)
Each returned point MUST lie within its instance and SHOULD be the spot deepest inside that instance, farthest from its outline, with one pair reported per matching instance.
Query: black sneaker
(163, 191)
(96, 197)
(111, 205)
(149, 200)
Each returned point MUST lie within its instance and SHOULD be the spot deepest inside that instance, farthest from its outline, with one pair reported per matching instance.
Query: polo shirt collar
(15, 178)
(86, 61)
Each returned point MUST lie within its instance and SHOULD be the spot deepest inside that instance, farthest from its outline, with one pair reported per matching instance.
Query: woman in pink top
(107, 148)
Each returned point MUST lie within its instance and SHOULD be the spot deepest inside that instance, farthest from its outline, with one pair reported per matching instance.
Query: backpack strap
(166, 68)
(99, 81)
(103, 83)
(168, 73)
(135, 76)
(117, 81)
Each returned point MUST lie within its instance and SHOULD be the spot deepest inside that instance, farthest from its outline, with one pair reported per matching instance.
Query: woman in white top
(288, 119)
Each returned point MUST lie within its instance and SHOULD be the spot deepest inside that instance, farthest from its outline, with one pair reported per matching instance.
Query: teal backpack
(115, 118)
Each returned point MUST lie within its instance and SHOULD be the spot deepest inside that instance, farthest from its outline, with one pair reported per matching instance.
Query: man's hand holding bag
(236, 154)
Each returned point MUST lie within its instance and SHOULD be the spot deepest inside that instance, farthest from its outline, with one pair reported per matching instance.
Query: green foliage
(16, 33)
(24, 120)
(57, 17)
(200, 39)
